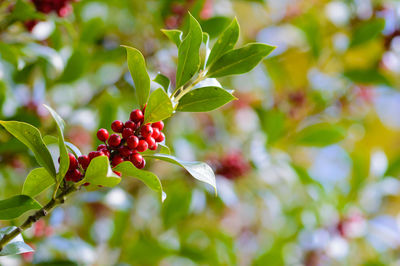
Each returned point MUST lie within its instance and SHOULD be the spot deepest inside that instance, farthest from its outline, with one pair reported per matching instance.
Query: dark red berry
(125, 151)
(130, 124)
(101, 147)
(117, 126)
(142, 165)
(132, 142)
(117, 159)
(159, 125)
(102, 134)
(142, 146)
(84, 161)
(73, 163)
(146, 131)
(161, 137)
(106, 153)
(150, 141)
(127, 132)
(136, 159)
(91, 155)
(114, 140)
(136, 116)
(156, 132)
(73, 175)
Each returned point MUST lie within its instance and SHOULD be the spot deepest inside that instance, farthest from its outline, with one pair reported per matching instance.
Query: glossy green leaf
(64, 159)
(137, 67)
(161, 148)
(188, 53)
(15, 206)
(199, 170)
(215, 25)
(37, 181)
(148, 178)
(321, 134)
(31, 137)
(163, 81)
(204, 99)
(159, 107)
(240, 60)
(16, 245)
(225, 42)
(100, 173)
(173, 35)
(71, 147)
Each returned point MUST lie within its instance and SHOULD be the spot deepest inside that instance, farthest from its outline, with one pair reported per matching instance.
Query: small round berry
(130, 124)
(142, 165)
(153, 147)
(142, 146)
(150, 141)
(84, 161)
(156, 132)
(159, 125)
(136, 116)
(132, 142)
(117, 126)
(161, 137)
(127, 132)
(114, 140)
(76, 175)
(106, 153)
(101, 147)
(125, 151)
(102, 134)
(146, 131)
(136, 158)
(91, 155)
(73, 163)
(117, 159)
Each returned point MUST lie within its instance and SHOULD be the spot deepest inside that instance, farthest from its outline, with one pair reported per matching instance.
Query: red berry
(106, 153)
(132, 142)
(102, 134)
(125, 151)
(73, 163)
(146, 131)
(101, 147)
(142, 146)
(127, 132)
(91, 155)
(136, 159)
(151, 142)
(161, 137)
(84, 161)
(130, 124)
(114, 140)
(117, 126)
(73, 175)
(136, 116)
(156, 132)
(117, 159)
(142, 165)
(159, 125)
(117, 173)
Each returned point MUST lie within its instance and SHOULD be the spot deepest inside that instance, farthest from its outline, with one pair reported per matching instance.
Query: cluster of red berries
(129, 139)
(232, 165)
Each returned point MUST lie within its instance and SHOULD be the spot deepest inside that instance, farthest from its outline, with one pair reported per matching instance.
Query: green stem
(180, 92)
(60, 199)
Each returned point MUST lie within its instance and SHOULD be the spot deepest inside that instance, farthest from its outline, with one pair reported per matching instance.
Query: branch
(60, 199)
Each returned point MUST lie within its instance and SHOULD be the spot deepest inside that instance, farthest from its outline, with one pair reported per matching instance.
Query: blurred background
(307, 160)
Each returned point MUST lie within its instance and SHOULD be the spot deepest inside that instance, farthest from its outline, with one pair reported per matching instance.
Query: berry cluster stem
(60, 199)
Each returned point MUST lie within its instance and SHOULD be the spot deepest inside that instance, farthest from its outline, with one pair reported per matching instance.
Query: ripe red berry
(73, 163)
(136, 116)
(146, 131)
(106, 153)
(101, 147)
(130, 124)
(136, 158)
(156, 132)
(117, 126)
(125, 151)
(117, 159)
(91, 155)
(151, 142)
(161, 137)
(73, 175)
(114, 140)
(127, 132)
(142, 146)
(102, 134)
(142, 165)
(84, 161)
(159, 125)
(132, 142)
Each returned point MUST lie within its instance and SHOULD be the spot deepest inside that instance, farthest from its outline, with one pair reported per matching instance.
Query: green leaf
(9, 53)
(100, 173)
(137, 67)
(321, 134)
(15, 206)
(64, 159)
(72, 148)
(148, 178)
(273, 124)
(240, 60)
(199, 170)
(37, 181)
(367, 31)
(16, 245)
(174, 35)
(159, 107)
(188, 53)
(163, 81)
(161, 148)
(75, 67)
(215, 25)
(31, 137)
(204, 99)
(225, 42)
(366, 76)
